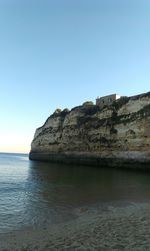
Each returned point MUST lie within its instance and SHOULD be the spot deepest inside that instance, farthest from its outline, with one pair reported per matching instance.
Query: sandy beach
(114, 228)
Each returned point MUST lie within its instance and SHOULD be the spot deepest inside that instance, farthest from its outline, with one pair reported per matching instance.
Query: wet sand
(114, 228)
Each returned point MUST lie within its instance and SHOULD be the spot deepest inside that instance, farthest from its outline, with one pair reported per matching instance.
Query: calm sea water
(34, 193)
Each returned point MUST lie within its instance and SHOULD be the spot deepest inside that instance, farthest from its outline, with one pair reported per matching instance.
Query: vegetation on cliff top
(88, 109)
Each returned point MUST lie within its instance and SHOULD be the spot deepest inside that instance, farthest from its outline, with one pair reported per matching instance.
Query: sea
(34, 194)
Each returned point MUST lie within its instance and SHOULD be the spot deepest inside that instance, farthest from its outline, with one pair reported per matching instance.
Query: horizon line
(15, 152)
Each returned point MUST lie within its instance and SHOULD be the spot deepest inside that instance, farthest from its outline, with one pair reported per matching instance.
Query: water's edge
(92, 160)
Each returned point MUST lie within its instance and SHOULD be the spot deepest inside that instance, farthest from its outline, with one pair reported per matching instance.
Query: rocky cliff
(118, 134)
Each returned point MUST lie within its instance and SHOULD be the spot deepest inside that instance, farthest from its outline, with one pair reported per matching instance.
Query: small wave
(23, 158)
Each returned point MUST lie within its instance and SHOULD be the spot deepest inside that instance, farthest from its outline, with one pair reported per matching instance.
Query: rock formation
(115, 135)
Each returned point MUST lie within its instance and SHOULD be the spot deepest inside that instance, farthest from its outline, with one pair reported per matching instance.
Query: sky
(61, 53)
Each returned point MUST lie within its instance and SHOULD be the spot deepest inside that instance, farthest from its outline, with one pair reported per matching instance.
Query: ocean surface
(34, 194)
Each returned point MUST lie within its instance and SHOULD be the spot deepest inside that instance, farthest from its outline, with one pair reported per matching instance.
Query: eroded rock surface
(117, 132)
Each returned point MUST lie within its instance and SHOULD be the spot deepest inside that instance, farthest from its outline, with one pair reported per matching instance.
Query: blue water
(34, 193)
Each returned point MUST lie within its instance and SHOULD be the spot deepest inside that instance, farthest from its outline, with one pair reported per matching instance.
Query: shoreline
(116, 228)
(127, 160)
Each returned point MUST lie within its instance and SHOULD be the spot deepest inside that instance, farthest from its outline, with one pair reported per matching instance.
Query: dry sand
(115, 228)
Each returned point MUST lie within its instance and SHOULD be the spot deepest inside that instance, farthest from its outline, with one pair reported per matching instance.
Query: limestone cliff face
(119, 131)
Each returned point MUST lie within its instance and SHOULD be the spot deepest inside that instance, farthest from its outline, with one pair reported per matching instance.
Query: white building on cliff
(107, 100)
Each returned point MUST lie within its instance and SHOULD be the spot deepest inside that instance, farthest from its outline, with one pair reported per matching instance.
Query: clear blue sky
(60, 53)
